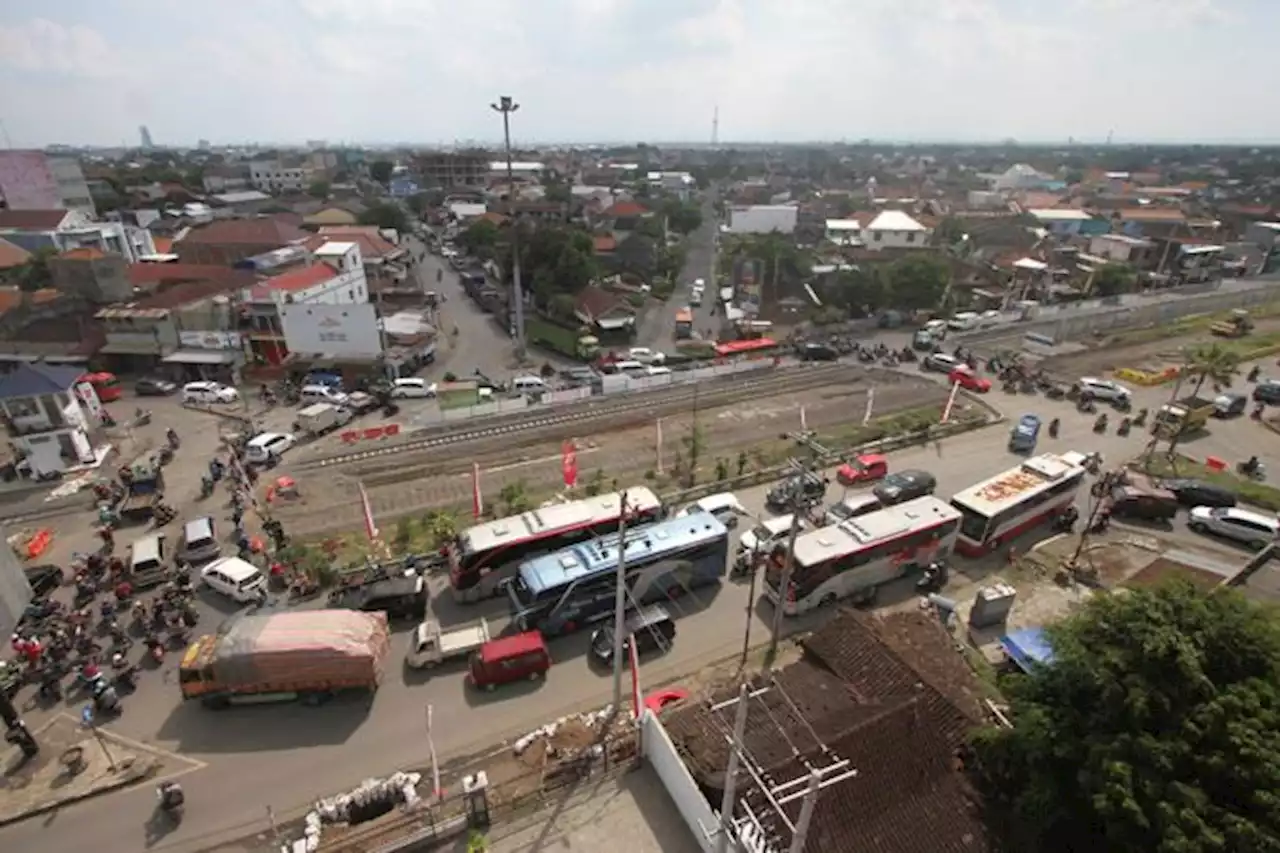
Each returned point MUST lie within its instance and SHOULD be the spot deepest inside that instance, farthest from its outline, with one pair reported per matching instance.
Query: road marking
(193, 764)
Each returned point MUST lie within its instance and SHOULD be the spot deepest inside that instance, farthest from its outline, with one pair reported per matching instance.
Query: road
(658, 328)
(284, 757)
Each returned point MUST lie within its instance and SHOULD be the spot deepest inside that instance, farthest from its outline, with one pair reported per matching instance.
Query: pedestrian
(237, 515)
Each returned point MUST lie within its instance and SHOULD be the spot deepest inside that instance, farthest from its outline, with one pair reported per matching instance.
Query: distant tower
(146, 136)
(1110, 133)
(715, 126)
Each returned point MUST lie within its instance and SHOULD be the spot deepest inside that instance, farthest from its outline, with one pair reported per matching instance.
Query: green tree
(1113, 279)
(441, 526)
(419, 203)
(949, 232)
(860, 290)
(1156, 729)
(1206, 363)
(34, 273)
(652, 227)
(514, 498)
(558, 192)
(386, 216)
(480, 239)
(916, 282)
(380, 170)
(683, 217)
(319, 189)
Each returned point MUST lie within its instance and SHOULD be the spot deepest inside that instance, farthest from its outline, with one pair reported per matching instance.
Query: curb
(135, 777)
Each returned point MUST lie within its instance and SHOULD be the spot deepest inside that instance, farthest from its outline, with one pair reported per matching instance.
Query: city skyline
(388, 71)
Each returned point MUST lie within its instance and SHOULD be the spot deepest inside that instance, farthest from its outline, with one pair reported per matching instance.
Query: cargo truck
(308, 655)
(1183, 416)
(144, 489)
(320, 418)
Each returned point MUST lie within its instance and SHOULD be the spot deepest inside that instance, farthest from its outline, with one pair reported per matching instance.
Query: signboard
(209, 340)
(340, 331)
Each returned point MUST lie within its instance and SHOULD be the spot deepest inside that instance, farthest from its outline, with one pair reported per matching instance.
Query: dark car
(818, 352)
(578, 375)
(154, 387)
(1199, 493)
(808, 488)
(1267, 392)
(651, 628)
(1148, 504)
(44, 579)
(1230, 404)
(399, 598)
(905, 486)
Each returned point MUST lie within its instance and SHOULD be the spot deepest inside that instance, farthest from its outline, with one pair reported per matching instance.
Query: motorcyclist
(171, 436)
(1101, 423)
(1251, 466)
(170, 795)
(1053, 428)
(1253, 374)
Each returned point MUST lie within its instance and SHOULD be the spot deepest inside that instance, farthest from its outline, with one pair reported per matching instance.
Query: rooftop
(373, 246)
(333, 248)
(11, 255)
(149, 275)
(84, 253)
(32, 220)
(1150, 214)
(1055, 214)
(242, 197)
(261, 231)
(516, 166)
(894, 220)
(294, 280)
(30, 380)
(622, 209)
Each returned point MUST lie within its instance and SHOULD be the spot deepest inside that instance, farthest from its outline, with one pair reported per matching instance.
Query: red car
(969, 380)
(864, 469)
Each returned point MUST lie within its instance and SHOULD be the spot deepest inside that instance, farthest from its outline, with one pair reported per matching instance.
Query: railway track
(598, 414)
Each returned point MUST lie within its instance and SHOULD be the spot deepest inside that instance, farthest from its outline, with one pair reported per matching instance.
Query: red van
(509, 659)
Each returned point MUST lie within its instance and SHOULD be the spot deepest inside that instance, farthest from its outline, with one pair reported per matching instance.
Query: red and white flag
(951, 401)
(370, 528)
(569, 463)
(477, 502)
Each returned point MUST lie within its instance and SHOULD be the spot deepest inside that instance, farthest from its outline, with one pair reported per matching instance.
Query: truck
(320, 418)
(307, 654)
(1183, 416)
(432, 646)
(144, 489)
(684, 323)
(1236, 326)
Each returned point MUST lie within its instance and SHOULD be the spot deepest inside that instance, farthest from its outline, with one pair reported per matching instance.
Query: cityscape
(491, 494)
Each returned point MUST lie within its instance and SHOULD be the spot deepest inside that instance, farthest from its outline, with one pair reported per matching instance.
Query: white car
(941, 362)
(657, 370)
(412, 386)
(1254, 529)
(644, 355)
(265, 447)
(1103, 389)
(725, 506)
(209, 392)
(236, 579)
(963, 322)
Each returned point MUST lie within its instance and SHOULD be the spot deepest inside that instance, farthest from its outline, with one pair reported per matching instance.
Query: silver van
(528, 385)
(199, 542)
(851, 506)
(147, 561)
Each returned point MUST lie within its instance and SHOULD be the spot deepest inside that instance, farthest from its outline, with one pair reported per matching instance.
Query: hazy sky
(91, 71)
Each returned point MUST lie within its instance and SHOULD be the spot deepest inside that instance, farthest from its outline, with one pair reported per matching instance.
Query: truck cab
(1183, 416)
(399, 598)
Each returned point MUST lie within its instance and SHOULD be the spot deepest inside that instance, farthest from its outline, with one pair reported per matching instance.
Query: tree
(480, 239)
(916, 282)
(34, 273)
(514, 497)
(380, 170)
(319, 189)
(386, 216)
(859, 290)
(949, 232)
(1155, 728)
(419, 203)
(1113, 279)
(683, 217)
(558, 192)
(1210, 362)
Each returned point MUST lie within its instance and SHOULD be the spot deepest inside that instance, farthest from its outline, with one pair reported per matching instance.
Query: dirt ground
(1151, 356)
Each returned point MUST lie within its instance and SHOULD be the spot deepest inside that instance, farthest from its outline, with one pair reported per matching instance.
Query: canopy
(1028, 647)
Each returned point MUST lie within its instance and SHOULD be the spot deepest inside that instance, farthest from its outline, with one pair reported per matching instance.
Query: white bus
(853, 558)
(998, 509)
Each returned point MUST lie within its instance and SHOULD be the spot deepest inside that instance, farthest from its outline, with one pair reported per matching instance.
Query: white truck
(432, 646)
(319, 418)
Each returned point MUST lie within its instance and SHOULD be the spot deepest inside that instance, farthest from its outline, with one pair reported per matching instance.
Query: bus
(998, 509)
(105, 385)
(754, 348)
(853, 558)
(484, 555)
(684, 324)
(570, 589)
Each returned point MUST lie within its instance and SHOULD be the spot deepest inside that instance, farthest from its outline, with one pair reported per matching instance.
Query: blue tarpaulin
(1027, 648)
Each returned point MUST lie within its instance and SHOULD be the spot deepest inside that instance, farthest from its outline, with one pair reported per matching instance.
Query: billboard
(339, 331)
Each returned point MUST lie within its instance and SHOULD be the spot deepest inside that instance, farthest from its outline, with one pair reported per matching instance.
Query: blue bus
(561, 592)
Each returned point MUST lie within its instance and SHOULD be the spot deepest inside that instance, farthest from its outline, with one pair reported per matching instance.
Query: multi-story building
(52, 417)
(226, 178)
(451, 169)
(66, 230)
(32, 180)
(273, 176)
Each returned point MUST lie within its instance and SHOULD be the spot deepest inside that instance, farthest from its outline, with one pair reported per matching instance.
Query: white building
(51, 416)
(762, 219)
(1121, 248)
(519, 169)
(1061, 222)
(893, 229)
(66, 230)
(681, 184)
(1020, 177)
(270, 176)
(844, 232)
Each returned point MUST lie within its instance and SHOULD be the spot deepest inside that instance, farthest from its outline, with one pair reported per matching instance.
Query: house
(893, 229)
(226, 178)
(52, 417)
(843, 232)
(1148, 221)
(330, 216)
(92, 275)
(604, 245)
(605, 312)
(623, 216)
(1123, 249)
(537, 211)
(273, 176)
(1021, 176)
(64, 230)
(1264, 235)
(1061, 222)
(236, 203)
(228, 241)
(382, 258)
(32, 180)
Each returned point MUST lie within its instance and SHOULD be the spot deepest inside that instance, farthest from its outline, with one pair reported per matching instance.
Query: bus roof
(601, 554)
(548, 519)
(736, 347)
(864, 531)
(1017, 484)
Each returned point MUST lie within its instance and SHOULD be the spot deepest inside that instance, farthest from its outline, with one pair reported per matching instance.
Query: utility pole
(507, 105)
(620, 605)
(731, 774)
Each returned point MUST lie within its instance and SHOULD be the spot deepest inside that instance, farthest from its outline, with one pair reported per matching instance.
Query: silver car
(1241, 525)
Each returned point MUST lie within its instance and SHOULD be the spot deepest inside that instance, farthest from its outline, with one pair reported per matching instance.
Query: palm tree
(1206, 362)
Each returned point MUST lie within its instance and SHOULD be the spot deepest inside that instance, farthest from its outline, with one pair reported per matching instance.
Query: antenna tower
(715, 126)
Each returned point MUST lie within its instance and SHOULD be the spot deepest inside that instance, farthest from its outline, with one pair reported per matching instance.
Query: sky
(425, 71)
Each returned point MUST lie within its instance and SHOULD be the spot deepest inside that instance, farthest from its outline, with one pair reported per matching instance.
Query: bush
(450, 376)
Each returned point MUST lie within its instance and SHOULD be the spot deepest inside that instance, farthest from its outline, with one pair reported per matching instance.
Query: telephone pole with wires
(620, 605)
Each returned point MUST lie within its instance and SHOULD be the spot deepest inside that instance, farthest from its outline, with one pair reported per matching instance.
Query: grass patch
(1258, 494)
(1197, 323)
(458, 398)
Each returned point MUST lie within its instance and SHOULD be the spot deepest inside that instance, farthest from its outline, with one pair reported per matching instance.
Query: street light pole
(620, 606)
(507, 105)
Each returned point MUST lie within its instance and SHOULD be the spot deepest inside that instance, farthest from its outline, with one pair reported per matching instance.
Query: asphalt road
(286, 756)
(658, 328)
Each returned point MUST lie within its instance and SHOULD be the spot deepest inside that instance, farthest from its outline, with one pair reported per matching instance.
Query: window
(879, 236)
(911, 236)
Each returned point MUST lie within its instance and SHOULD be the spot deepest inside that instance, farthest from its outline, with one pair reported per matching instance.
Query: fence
(665, 760)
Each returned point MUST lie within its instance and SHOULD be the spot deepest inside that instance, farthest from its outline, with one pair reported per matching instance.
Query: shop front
(212, 356)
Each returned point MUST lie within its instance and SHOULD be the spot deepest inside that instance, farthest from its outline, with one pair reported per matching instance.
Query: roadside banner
(804, 421)
(370, 528)
(871, 402)
(569, 463)
(477, 502)
(637, 702)
(951, 401)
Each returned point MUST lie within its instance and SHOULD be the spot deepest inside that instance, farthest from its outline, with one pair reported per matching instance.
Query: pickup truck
(1183, 416)
(144, 490)
(432, 646)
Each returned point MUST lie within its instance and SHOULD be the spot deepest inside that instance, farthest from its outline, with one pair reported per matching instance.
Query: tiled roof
(34, 220)
(595, 302)
(164, 245)
(372, 244)
(623, 209)
(494, 217)
(261, 231)
(604, 243)
(147, 275)
(30, 380)
(11, 297)
(84, 253)
(1144, 214)
(331, 216)
(11, 255)
(294, 280)
(182, 293)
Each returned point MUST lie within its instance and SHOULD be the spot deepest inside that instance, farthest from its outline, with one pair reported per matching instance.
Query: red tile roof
(262, 231)
(149, 275)
(164, 245)
(294, 280)
(624, 209)
(84, 253)
(11, 297)
(11, 255)
(605, 243)
(182, 293)
(494, 217)
(594, 303)
(32, 220)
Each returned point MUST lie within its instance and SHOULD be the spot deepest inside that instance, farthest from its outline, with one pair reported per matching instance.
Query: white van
(236, 579)
(761, 538)
(964, 321)
(937, 329)
(147, 560)
(528, 385)
(322, 394)
(725, 506)
(629, 368)
(199, 541)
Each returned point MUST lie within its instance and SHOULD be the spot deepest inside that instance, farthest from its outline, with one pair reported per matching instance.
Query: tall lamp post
(507, 105)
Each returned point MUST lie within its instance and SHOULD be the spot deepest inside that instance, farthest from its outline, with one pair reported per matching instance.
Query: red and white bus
(105, 385)
(998, 509)
(853, 558)
(484, 555)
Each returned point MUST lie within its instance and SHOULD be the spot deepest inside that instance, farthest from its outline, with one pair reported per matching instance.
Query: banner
(951, 401)
(569, 463)
(477, 502)
(637, 701)
(804, 421)
(370, 529)
(871, 402)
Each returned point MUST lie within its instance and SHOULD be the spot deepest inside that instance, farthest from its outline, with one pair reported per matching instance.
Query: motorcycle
(934, 578)
(1140, 419)
(1086, 406)
(141, 417)
(1254, 374)
(206, 487)
(1252, 469)
(1122, 404)
(1123, 429)
(1065, 522)
(170, 799)
(1100, 424)
(105, 698)
(171, 437)
(1258, 411)
(1053, 428)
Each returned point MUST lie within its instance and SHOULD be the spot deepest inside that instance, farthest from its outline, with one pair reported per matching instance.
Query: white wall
(877, 238)
(339, 330)
(763, 219)
(662, 756)
(269, 177)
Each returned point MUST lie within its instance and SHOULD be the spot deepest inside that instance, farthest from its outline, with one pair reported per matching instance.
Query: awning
(1028, 648)
(129, 348)
(201, 356)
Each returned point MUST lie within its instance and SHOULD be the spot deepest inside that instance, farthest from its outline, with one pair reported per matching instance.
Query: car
(968, 380)
(400, 598)
(1267, 391)
(987, 319)
(1230, 404)
(940, 362)
(963, 322)
(937, 329)
(808, 487)
(651, 628)
(1193, 493)
(762, 538)
(644, 355)
(209, 392)
(44, 579)
(657, 370)
(1025, 434)
(412, 386)
(268, 447)
(905, 486)
(236, 579)
(1241, 525)
(865, 468)
(150, 386)
(922, 340)
(1103, 389)
(725, 506)
(818, 352)
(580, 375)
